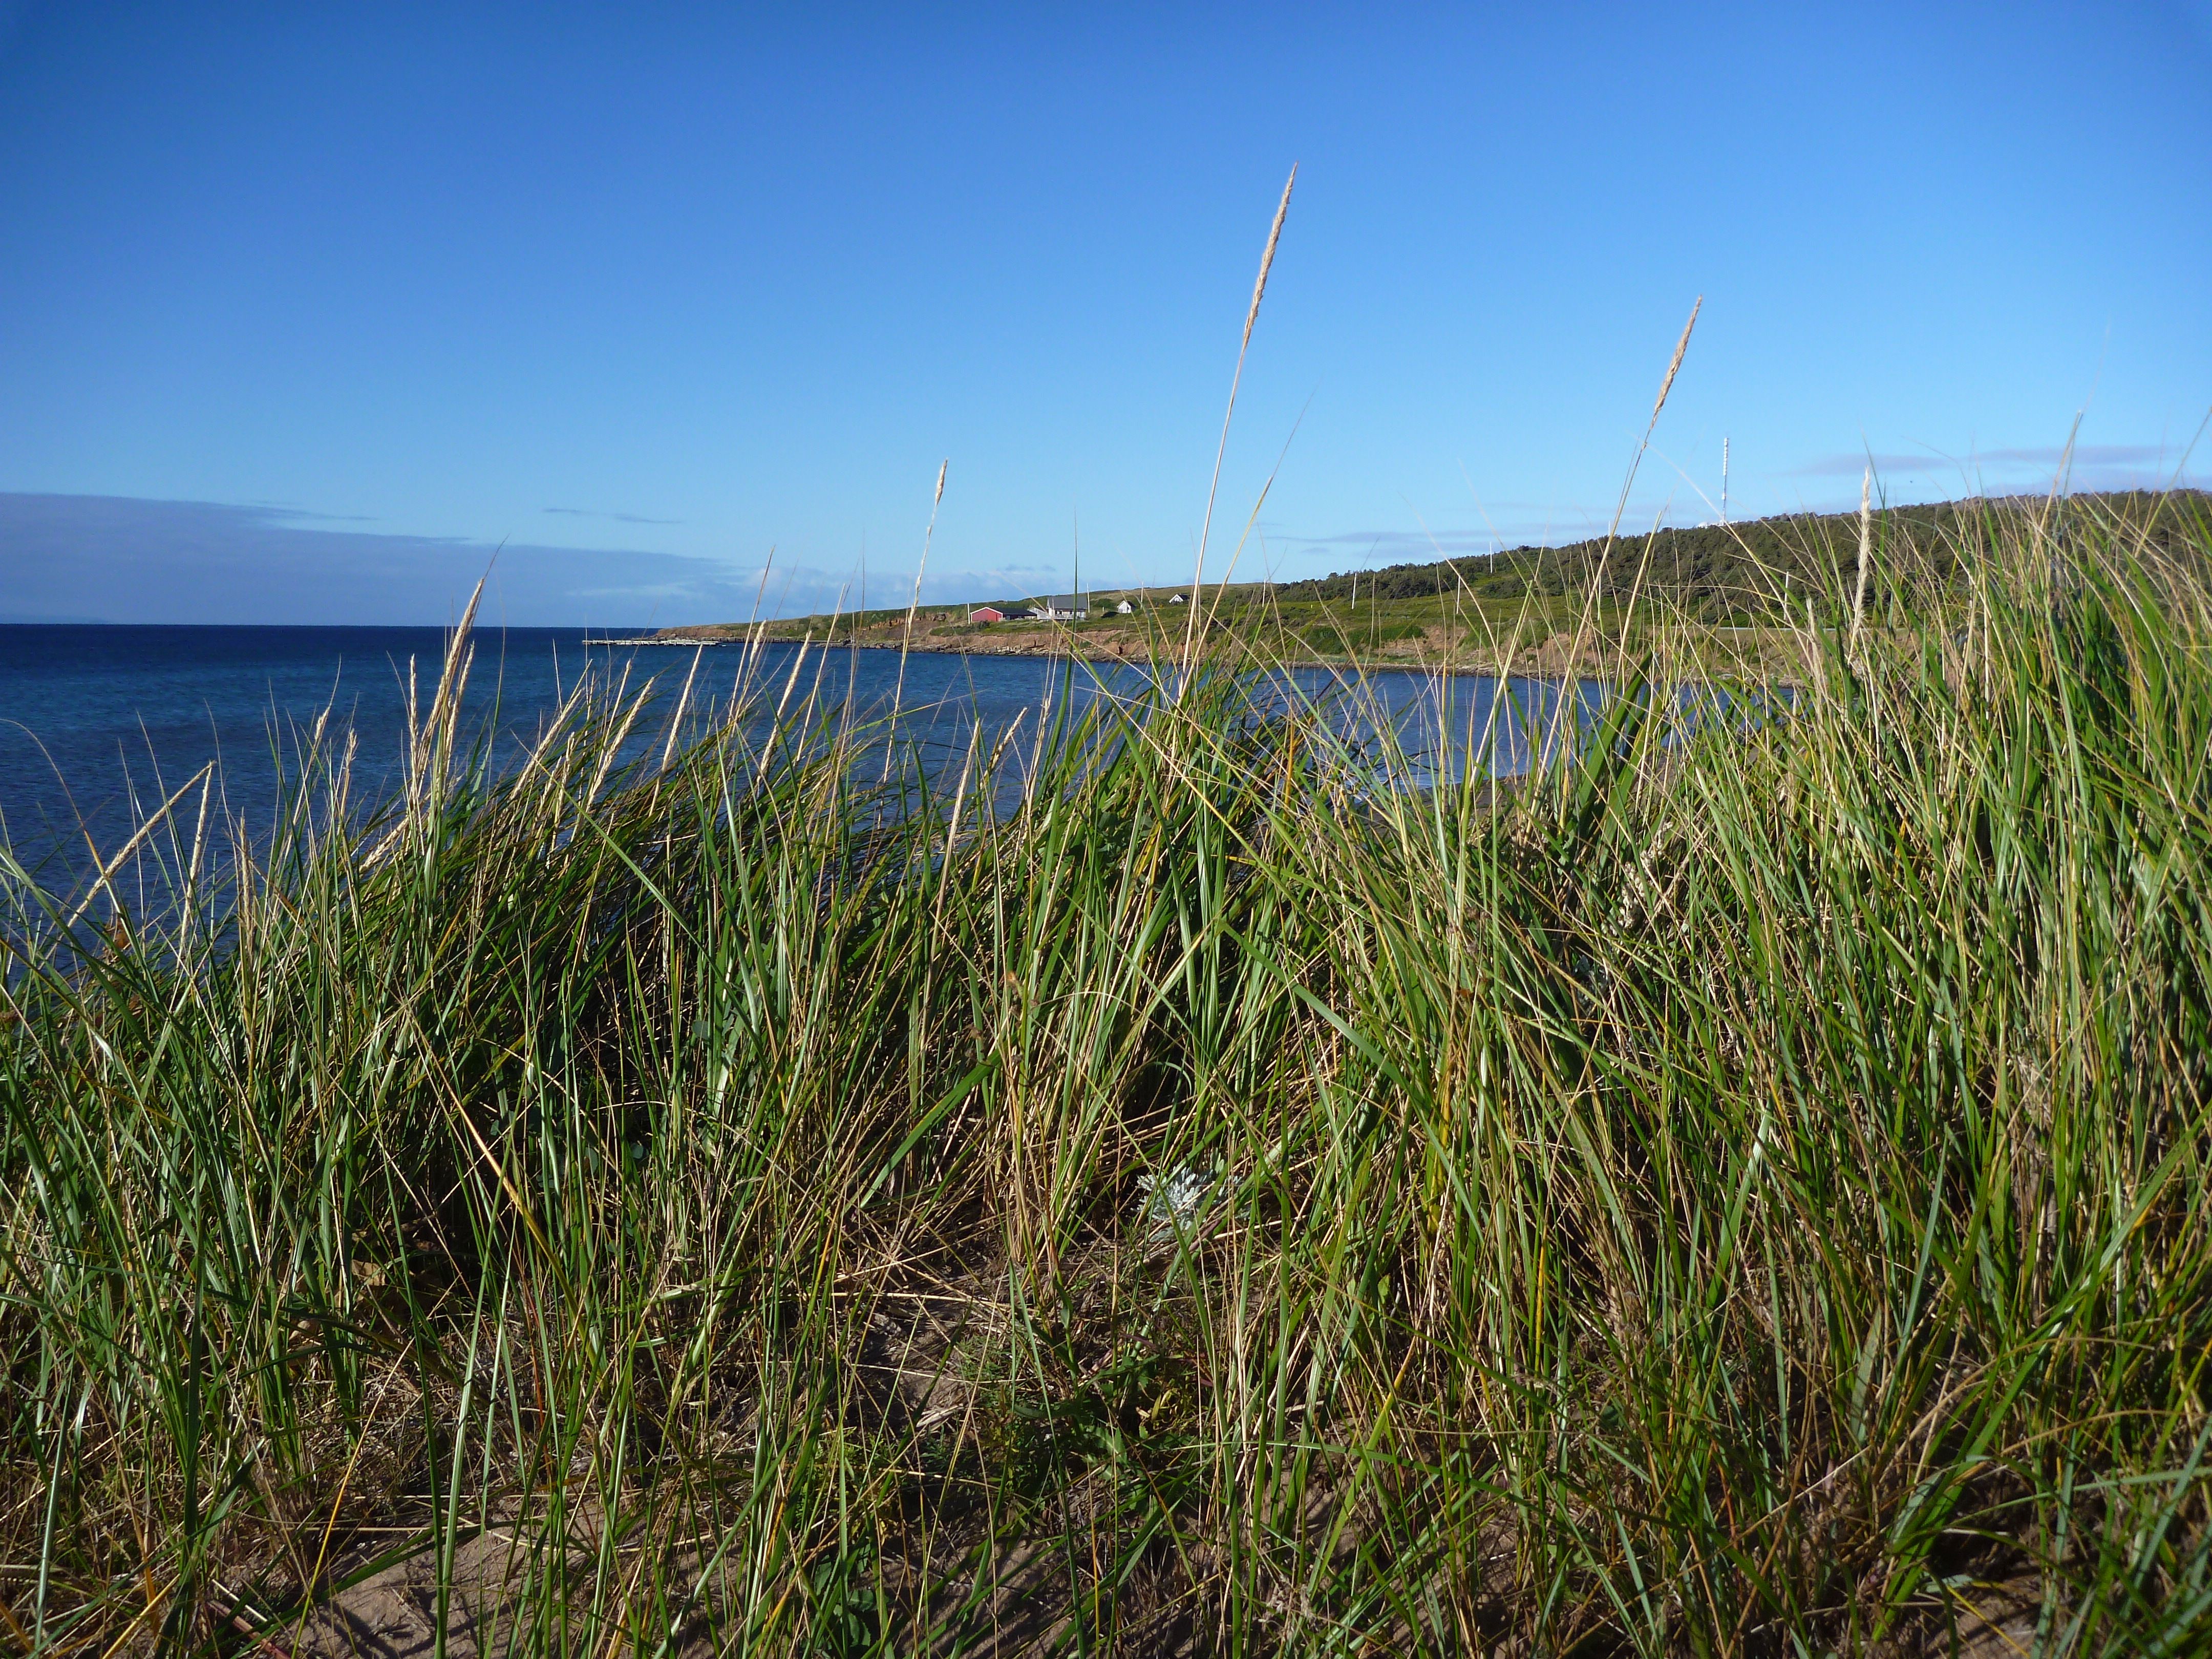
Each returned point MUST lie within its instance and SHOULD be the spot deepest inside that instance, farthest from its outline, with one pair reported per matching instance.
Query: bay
(99, 723)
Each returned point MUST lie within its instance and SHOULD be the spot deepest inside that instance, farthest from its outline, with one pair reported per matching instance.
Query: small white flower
(1171, 1199)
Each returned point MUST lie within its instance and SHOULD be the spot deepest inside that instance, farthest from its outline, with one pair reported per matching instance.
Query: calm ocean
(99, 723)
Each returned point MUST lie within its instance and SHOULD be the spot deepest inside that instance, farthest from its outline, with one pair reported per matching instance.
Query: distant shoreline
(1536, 667)
(1728, 599)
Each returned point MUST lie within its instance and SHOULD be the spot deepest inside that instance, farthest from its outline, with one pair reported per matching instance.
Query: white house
(1061, 607)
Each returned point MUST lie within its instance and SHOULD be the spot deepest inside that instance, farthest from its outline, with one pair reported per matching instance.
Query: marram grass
(1741, 1191)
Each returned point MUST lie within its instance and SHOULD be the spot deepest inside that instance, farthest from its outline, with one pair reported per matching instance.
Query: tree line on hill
(1722, 567)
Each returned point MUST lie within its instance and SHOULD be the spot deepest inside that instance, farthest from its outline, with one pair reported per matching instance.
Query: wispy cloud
(1397, 543)
(617, 518)
(1927, 463)
(1000, 582)
(123, 559)
(303, 515)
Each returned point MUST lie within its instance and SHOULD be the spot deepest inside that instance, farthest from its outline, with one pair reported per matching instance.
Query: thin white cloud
(1392, 543)
(123, 559)
(617, 518)
(2049, 458)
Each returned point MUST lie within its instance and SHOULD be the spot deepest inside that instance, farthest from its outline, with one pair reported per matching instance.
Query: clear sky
(303, 309)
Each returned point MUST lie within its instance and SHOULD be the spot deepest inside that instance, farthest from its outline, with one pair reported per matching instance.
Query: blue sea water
(99, 723)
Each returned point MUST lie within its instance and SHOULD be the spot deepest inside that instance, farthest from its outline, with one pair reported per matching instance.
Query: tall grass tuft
(1201, 1181)
(1229, 414)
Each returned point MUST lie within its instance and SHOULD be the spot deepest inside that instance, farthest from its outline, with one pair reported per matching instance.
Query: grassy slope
(1743, 1191)
(1734, 595)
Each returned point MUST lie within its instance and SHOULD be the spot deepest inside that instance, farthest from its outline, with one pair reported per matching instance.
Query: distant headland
(1742, 589)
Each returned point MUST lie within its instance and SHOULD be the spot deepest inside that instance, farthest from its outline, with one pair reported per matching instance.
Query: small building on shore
(987, 613)
(1061, 607)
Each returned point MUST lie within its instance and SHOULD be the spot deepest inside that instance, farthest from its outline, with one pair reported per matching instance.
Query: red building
(987, 614)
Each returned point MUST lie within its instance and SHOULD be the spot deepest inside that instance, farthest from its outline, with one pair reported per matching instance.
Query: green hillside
(1714, 568)
(1743, 589)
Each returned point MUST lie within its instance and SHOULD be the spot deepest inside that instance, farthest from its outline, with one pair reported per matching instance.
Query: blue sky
(308, 308)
